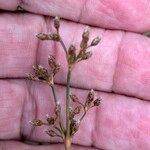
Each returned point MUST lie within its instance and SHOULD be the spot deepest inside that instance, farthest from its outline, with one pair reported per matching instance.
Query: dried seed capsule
(77, 110)
(41, 73)
(36, 122)
(74, 98)
(90, 96)
(74, 126)
(97, 102)
(57, 109)
(57, 22)
(51, 61)
(54, 36)
(89, 99)
(31, 77)
(85, 39)
(95, 41)
(85, 35)
(51, 133)
(71, 54)
(53, 65)
(42, 36)
(86, 55)
(50, 120)
(72, 49)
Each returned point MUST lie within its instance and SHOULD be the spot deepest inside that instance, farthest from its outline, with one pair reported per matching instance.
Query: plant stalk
(68, 138)
(60, 116)
(67, 143)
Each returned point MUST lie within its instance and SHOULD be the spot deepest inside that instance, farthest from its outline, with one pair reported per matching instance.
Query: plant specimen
(58, 127)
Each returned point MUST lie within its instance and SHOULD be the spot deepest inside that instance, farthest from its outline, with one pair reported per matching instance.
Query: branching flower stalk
(56, 124)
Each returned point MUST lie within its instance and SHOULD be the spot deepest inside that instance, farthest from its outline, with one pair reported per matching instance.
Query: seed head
(50, 120)
(57, 110)
(53, 65)
(89, 99)
(87, 55)
(41, 73)
(95, 41)
(74, 98)
(57, 22)
(97, 102)
(51, 133)
(85, 35)
(74, 126)
(77, 110)
(71, 54)
(36, 122)
(54, 37)
(42, 36)
(71, 49)
(90, 96)
(85, 39)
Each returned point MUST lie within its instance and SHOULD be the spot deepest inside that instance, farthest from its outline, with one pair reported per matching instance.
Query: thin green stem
(62, 134)
(67, 140)
(68, 104)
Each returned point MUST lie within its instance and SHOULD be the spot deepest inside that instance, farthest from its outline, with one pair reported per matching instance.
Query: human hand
(119, 71)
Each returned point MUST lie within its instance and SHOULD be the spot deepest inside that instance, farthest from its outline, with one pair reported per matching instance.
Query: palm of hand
(119, 71)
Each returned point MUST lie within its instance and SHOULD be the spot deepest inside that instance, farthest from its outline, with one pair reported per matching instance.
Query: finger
(120, 63)
(120, 122)
(112, 14)
(13, 145)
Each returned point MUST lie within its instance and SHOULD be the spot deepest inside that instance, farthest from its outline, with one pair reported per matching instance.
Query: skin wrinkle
(25, 146)
(82, 10)
(20, 3)
(21, 118)
(26, 99)
(114, 17)
(23, 100)
(23, 4)
(49, 29)
(96, 111)
(117, 39)
(39, 41)
(66, 26)
(34, 111)
(97, 125)
(124, 12)
(115, 70)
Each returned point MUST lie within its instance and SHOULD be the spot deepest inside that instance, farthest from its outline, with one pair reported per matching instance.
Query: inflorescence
(56, 123)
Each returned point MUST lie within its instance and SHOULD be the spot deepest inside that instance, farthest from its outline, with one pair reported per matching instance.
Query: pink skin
(130, 15)
(119, 71)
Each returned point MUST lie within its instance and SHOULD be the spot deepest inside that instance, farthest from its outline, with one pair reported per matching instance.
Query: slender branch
(62, 43)
(61, 123)
(67, 140)
(62, 134)
(58, 134)
(46, 124)
(68, 103)
(83, 116)
(54, 94)
(80, 103)
(64, 47)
